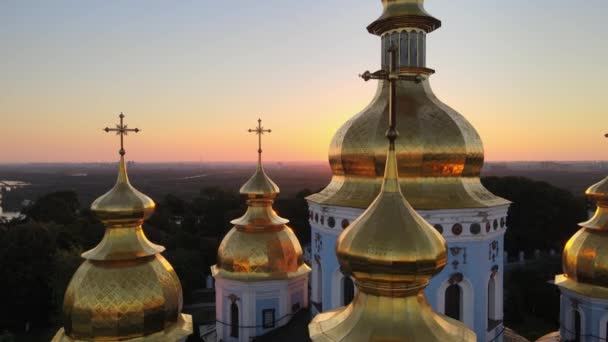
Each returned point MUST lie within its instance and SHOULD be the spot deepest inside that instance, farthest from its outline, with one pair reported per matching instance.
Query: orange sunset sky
(195, 75)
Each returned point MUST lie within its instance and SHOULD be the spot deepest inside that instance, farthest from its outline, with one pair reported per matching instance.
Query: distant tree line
(541, 216)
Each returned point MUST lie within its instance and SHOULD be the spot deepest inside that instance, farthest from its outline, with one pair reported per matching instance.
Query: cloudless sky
(195, 75)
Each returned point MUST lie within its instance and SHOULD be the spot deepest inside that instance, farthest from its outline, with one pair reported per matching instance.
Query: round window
(502, 222)
(457, 229)
(345, 223)
(439, 228)
(495, 224)
(475, 228)
(331, 222)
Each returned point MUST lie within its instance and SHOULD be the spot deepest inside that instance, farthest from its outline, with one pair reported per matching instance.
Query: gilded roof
(585, 257)
(260, 246)
(392, 253)
(124, 290)
(439, 154)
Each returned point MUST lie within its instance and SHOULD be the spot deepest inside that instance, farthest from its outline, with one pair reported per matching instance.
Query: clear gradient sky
(531, 76)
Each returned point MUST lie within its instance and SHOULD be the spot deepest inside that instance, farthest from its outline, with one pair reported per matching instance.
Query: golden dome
(123, 204)
(260, 184)
(390, 243)
(439, 157)
(392, 253)
(585, 257)
(260, 246)
(124, 290)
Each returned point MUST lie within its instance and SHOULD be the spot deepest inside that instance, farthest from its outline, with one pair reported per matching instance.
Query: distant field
(90, 181)
(187, 179)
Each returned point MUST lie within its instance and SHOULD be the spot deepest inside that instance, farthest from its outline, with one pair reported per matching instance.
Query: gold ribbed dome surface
(585, 257)
(439, 155)
(125, 290)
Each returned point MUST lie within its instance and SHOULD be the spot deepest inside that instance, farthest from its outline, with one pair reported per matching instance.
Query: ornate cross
(122, 130)
(259, 131)
(391, 76)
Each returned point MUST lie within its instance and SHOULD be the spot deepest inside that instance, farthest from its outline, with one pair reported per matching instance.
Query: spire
(125, 290)
(392, 253)
(260, 184)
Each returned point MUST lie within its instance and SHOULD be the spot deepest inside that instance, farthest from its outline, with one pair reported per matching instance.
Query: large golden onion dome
(585, 257)
(125, 290)
(440, 156)
(260, 246)
(392, 253)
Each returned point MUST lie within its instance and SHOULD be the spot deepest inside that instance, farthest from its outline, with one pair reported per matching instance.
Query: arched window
(577, 326)
(349, 290)
(385, 52)
(319, 284)
(395, 42)
(453, 301)
(234, 320)
(492, 319)
(413, 49)
(421, 49)
(403, 49)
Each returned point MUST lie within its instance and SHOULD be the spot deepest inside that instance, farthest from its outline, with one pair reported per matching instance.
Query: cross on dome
(259, 131)
(122, 130)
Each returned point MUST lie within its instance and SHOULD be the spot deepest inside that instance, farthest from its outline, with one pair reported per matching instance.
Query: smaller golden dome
(598, 191)
(260, 246)
(123, 204)
(260, 184)
(125, 290)
(585, 257)
(371, 250)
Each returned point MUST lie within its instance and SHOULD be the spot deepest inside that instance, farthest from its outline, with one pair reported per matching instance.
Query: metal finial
(122, 130)
(259, 131)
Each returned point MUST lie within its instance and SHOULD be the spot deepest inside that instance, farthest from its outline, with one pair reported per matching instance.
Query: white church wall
(254, 300)
(593, 314)
(475, 240)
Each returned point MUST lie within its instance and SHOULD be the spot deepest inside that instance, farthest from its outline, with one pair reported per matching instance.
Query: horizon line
(275, 161)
